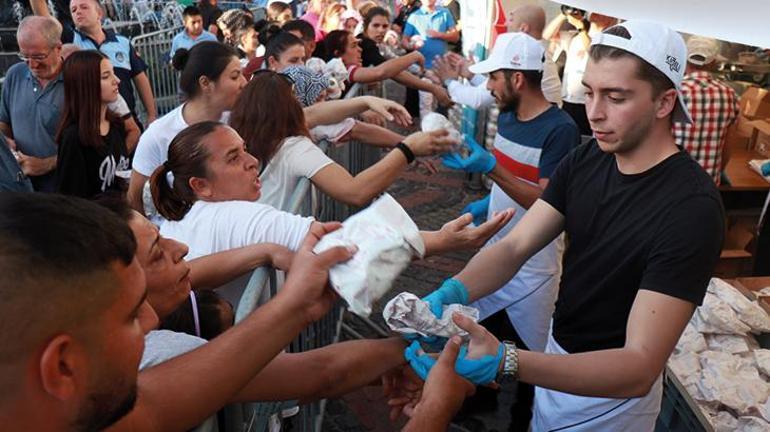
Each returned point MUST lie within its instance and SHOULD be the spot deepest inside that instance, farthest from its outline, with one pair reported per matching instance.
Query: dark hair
(533, 78)
(261, 122)
(336, 43)
(187, 157)
(303, 27)
(214, 316)
(372, 13)
(281, 42)
(645, 71)
(57, 258)
(83, 97)
(207, 59)
(191, 11)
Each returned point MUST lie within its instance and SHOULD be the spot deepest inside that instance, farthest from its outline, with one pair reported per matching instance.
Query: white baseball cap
(518, 51)
(658, 45)
(702, 50)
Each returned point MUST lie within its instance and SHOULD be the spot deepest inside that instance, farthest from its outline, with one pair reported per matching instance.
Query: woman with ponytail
(211, 79)
(209, 201)
(91, 139)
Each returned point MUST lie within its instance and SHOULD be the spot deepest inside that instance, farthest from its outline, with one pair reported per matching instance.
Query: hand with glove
(478, 161)
(452, 291)
(478, 209)
(478, 362)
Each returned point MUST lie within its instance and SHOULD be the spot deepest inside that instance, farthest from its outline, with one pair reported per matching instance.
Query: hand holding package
(386, 238)
(407, 314)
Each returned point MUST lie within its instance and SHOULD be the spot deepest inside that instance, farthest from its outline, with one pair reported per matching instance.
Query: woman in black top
(91, 139)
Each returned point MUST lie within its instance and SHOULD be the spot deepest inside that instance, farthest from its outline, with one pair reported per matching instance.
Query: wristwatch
(510, 369)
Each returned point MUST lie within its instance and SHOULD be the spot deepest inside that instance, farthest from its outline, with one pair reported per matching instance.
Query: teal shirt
(421, 21)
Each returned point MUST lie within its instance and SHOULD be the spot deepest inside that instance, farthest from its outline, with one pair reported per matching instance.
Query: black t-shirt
(210, 14)
(370, 53)
(660, 230)
(86, 171)
(404, 13)
(454, 9)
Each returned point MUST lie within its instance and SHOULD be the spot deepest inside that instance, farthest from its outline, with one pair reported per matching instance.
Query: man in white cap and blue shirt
(645, 229)
(533, 136)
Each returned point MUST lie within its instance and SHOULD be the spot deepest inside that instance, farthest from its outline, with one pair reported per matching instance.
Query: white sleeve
(478, 80)
(475, 97)
(163, 345)
(253, 222)
(147, 156)
(551, 84)
(119, 107)
(305, 157)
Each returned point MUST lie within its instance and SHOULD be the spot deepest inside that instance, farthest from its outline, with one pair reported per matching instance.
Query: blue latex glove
(478, 209)
(478, 371)
(478, 161)
(451, 291)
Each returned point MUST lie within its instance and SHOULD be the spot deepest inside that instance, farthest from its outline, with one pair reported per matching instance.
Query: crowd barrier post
(154, 49)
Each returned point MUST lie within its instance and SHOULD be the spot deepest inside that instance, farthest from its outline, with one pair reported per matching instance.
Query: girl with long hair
(277, 135)
(91, 139)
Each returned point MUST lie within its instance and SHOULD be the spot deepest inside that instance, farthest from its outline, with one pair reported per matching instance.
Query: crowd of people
(127, 242)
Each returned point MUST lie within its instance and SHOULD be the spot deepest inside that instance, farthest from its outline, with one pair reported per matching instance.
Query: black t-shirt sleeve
(370, 54)
(555, 193)
(686, 249)
(71, 175)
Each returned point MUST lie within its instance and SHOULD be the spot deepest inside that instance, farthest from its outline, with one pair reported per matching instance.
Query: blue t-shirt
(183, 40)
(421, 21)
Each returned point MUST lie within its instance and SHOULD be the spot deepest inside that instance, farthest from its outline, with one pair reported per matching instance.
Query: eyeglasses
(35, 57)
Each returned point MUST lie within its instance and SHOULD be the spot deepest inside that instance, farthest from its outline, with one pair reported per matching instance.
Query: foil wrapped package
(407, 314)
(749, 312)
(387, 239)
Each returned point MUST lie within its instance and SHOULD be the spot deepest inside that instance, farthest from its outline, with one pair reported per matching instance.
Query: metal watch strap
(510, 360)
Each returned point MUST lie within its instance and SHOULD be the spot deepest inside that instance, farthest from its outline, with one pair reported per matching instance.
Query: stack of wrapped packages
(720, 362)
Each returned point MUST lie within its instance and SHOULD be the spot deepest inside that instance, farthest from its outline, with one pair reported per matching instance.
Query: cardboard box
(755, 103)
(760, 137)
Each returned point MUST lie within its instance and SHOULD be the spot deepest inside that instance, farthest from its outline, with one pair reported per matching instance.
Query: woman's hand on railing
(430, 143)
(390, 110)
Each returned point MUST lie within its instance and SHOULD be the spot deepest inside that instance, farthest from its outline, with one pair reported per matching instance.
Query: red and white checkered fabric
(714, 107)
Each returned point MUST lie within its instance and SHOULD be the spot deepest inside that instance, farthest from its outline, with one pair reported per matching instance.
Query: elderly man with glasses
(32, 97)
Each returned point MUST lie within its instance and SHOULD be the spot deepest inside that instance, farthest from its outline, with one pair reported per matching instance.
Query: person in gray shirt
(31, 101)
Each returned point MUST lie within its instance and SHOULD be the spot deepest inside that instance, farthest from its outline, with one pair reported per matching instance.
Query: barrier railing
(154, 49)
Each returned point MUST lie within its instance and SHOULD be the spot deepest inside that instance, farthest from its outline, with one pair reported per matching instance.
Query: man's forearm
(325, 372)
(524, 193)
(217, 269)
(410, 80)
(429, 417)
(613, 373)
(199, 389)
(144, 89)
(375, 135)
(40, 7)
(5, 129)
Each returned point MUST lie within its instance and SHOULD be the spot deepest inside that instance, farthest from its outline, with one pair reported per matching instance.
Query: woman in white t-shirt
(277, 135)
(211, 79)
(211, 205)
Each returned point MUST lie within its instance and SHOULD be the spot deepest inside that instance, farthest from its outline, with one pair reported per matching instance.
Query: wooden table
(740, 174)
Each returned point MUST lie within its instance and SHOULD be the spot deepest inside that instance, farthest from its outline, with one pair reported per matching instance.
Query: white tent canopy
(742, 21)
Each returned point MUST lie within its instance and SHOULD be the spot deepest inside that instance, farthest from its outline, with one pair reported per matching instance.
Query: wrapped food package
(407, 314)
(387, 239)
(749, 312)
(434, 121)
(720, 363)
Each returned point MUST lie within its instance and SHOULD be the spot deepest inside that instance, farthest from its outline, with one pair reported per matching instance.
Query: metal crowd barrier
(154, 49)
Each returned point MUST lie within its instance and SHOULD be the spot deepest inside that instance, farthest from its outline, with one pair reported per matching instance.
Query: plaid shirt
(713, 106)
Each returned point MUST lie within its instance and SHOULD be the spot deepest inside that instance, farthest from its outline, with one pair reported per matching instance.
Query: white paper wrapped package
(407, 314)
(387, 240)
(435, 121)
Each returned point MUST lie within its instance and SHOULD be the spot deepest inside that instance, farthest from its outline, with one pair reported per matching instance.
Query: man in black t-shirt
(645, 229)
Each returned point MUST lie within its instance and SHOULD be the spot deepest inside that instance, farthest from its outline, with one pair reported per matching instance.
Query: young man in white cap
(713, 106)
(533, 136)
(645, 228)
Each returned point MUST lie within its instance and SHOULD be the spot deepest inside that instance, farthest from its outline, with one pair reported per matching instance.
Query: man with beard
(532, 138)
(73, 314)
